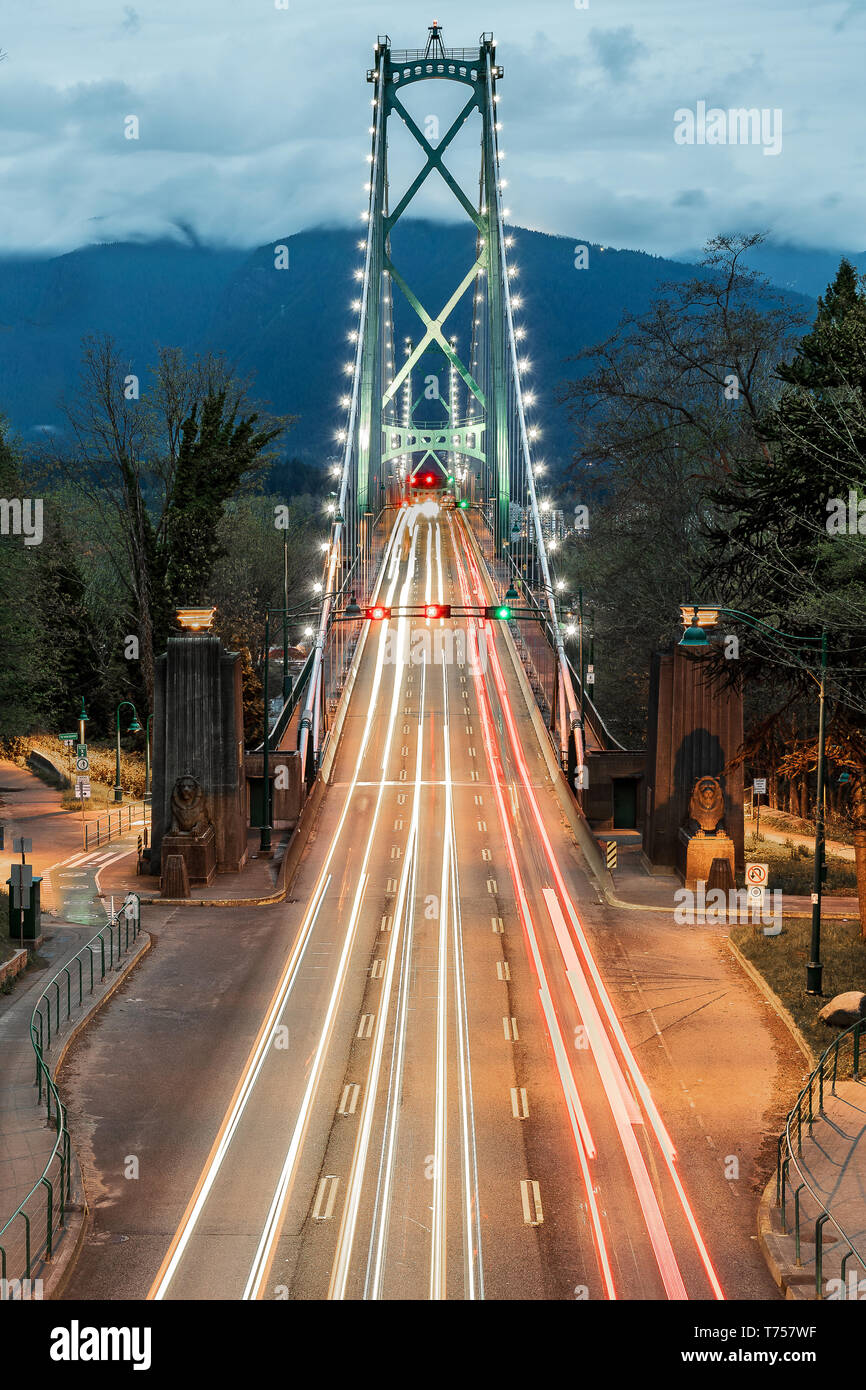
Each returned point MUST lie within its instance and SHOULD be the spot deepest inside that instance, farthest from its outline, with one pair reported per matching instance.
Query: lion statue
(707, 805)
(189, 813)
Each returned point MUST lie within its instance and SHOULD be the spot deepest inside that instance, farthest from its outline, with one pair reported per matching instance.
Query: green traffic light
(504, 613)
(464, 503)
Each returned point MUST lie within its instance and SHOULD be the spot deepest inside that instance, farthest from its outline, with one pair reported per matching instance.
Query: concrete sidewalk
(32, 809)
(634, 887)
(833, 1167)
(26, 1136)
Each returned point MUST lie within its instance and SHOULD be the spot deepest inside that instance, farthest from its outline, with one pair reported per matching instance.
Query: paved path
(833, 1167)
(780, 836)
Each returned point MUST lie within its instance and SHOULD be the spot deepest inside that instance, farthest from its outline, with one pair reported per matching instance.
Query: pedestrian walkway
(32, 809)
(634, 886)
(27, 1138)
(259, 878)
(830, 1176)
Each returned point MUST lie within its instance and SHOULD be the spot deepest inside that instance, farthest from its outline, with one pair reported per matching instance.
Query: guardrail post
(68, 991)
(26, 1244)
(856, 1051)
(844, 1272)
(50, 1222)
(835, 1063)
(819, 1253)
(811, 1078)
(785, 1165)
(821, 1087)
(797, 1261)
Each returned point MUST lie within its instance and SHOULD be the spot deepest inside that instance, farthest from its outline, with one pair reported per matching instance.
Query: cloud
(132, 20)
(617, 50)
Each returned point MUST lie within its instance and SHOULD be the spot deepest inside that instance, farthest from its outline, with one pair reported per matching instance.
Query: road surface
(441, 1101)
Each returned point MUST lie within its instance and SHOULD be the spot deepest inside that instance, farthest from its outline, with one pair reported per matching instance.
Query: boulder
(844, 1010)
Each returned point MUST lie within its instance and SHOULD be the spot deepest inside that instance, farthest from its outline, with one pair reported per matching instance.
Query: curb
(774, 1001)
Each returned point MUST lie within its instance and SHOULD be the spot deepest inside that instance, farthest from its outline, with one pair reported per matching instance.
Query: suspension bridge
(457, 1111)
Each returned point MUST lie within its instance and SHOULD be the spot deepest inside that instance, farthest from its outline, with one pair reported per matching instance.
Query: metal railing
(790, 1151)
(107, 827)
(29, 1236)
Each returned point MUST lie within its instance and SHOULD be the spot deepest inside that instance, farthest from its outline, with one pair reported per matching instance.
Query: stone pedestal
(695, 855)
(198, 853)
(174, 882)
(198, 732)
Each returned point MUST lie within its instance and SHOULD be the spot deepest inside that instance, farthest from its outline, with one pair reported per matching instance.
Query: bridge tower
(387, 432)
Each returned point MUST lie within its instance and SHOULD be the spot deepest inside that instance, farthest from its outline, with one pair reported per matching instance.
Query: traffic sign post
(759, 789)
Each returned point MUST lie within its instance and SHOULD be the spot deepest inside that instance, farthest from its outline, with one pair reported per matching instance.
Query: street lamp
(695, 639)
(134, 728)
(147, 793)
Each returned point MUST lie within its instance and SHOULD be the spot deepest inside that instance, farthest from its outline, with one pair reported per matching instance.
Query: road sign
(590, 675)
(757, 875)
(21, 877)
(755, 894)
(610, 854)
(22, 845)
(760, 786)
(81, 750)
(82, 788)
(67, 738)
(82, 764)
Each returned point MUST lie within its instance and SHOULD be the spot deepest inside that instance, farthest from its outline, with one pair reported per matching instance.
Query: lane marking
(349, 1098)
(365, 1027)
(509, 1027)
(519, 1103)
(503, 970)
(530, 1196)
(326, 1196)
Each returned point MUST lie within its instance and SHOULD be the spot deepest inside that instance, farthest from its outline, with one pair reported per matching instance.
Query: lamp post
(265, 838)
(147, 794)
(695, 638)
(287, 680)
(134, 728)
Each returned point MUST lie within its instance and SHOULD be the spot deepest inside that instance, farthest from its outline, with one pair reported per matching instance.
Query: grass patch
(792, 868)
(782, 962)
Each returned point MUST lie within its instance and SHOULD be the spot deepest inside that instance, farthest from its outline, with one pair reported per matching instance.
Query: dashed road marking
(503, 970)
(519, 1103)
(509, 1028)
(496, 925)
(386, 924)
(377, 970)
(326, 1196)
(482, 825)
(349, 1099)
(491, 885)
(530, 1196)
(365, 1027)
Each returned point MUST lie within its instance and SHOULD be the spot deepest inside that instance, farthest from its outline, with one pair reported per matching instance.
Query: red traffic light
(377, 614)
(428, 478)
(413, 481)
(437, 610)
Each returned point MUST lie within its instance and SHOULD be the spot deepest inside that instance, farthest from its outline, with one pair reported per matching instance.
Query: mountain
(803, 270)
(290, 327)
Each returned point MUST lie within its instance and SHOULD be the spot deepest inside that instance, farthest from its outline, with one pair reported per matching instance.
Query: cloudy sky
(253, 117)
